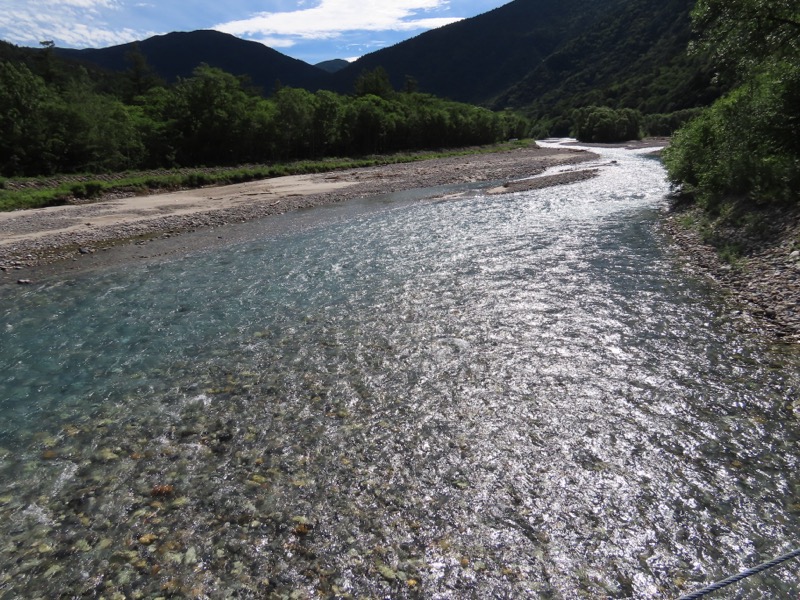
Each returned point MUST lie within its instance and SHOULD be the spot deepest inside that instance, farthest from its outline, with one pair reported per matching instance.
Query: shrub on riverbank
(747, 144)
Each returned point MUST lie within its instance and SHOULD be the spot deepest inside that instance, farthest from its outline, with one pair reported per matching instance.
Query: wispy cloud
(75, 23)
(314, 29)
(329, 19)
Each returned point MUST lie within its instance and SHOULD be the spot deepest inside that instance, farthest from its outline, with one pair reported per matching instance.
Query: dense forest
(746, 146)
(59, 117)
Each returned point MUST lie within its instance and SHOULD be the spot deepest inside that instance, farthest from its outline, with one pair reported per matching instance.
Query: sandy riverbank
(67, 237)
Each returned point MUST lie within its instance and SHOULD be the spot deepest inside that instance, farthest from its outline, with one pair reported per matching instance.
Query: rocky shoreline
(762, 279)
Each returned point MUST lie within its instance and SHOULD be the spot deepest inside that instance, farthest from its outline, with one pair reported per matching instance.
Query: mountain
(633, 56)
(475, 59)
(333, 66)
(177, 54)
(546, 56)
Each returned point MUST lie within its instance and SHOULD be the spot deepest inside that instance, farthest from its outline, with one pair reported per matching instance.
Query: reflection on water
(505, 396)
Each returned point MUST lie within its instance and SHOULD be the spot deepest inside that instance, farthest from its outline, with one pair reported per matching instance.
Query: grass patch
(730, 253)
(89, 190)
(14, 200)
(16, 194)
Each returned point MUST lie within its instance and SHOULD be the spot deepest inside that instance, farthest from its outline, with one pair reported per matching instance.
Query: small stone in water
(71, 430)
(124, 578)
(147, 539)
(55, 569)
(107, 455)
(159, 491)
(301, 520)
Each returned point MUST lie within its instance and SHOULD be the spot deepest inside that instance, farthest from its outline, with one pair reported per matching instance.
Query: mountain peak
(178, 53)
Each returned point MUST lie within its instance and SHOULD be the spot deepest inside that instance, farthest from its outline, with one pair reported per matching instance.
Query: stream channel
(432, 394)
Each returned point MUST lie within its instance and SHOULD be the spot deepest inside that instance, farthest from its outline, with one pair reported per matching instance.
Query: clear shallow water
(507, 396)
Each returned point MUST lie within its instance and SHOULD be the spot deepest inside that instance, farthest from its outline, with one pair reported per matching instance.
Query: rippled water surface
(484, 396)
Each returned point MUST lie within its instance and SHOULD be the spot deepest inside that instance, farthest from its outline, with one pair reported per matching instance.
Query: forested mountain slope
(478, 58)
(541, 56)
(548, 57)
(633, 56)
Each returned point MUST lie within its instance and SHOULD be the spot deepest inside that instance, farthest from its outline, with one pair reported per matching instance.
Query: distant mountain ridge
(333, 66)
(177, 54)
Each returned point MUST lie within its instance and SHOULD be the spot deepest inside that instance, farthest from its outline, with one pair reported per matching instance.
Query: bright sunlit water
(485, 396)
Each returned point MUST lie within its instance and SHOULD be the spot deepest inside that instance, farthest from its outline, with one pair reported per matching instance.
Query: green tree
(327, 122)
(375, 83)
(140, 76)
(742, 34)
(23, 129)
(747, 144)
(370, 123)
(211, 115)
(294, 123)
(157, 121)
(606, 125)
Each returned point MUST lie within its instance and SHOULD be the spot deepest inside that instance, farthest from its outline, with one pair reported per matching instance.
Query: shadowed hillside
(178, 54)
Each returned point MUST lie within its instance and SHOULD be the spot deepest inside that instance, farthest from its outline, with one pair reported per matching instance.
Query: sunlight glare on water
(492, 396)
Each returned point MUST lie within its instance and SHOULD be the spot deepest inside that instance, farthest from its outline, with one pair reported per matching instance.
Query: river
(433, 394)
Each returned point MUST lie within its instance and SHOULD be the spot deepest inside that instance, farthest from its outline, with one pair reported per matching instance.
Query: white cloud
(330, 18)
(276, 42)
(75, 23)
(87, 4)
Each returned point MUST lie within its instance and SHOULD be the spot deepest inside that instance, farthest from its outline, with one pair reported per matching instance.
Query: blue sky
(311, 30)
